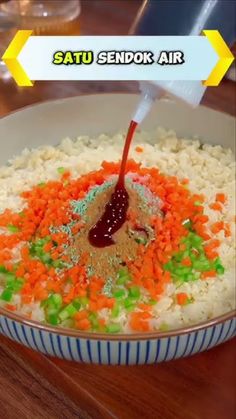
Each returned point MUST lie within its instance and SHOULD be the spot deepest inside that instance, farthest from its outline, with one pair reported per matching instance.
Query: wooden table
(33, 386)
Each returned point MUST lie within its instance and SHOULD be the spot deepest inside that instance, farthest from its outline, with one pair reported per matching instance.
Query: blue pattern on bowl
(118, 351)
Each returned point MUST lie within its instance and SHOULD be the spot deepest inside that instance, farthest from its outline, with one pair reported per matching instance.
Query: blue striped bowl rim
(122, 337)
(106, 352)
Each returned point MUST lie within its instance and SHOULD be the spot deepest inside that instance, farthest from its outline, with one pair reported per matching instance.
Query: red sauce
(115, 212)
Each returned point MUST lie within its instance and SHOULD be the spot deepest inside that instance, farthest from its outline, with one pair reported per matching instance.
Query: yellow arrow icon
(10, 58)
(225, 57)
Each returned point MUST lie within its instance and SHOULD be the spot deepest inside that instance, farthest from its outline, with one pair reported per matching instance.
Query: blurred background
(84, 17)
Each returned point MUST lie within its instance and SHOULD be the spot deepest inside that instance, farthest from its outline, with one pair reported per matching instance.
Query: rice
(210, 169)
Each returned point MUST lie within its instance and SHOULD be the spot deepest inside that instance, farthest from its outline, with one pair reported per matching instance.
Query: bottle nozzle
(149, 94)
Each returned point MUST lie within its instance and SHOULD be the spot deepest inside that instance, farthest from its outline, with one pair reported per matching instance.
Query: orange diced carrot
(216, 206)
(221, 197)
(186, 261)
(217, 227)
(10, 307)
(83, 324)
(208, 274)
(182, 298)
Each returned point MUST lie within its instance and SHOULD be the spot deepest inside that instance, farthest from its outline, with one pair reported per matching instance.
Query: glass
(8, 26)
(45, 17)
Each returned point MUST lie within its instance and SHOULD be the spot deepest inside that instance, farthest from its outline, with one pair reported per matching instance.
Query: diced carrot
(83, 324)
(182, 298)
(227, 230)
(144, 307)
(41, 295)
(139, 149)
(212, 245)
(217, 227)
(208, 274)
(138, 321)
(221, 197)
(216, 206)
(10, 307)
(26, 299)
(48, 247)
(81, 315)
(186, 262)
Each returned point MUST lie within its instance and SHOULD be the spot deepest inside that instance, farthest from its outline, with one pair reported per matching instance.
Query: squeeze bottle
(180, 17)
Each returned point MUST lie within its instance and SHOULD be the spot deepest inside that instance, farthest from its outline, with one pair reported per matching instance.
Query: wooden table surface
(33, 386)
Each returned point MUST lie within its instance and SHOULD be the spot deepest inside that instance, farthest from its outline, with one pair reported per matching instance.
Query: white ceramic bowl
(50, 122)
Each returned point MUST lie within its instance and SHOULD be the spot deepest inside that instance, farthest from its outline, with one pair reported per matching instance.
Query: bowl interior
(50, 122)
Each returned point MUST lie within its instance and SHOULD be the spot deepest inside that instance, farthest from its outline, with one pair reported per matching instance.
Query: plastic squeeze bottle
(180, 17)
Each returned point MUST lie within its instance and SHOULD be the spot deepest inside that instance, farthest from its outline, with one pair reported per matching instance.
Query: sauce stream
(114, 216)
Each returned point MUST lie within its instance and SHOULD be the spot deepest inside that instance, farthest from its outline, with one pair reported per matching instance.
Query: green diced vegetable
(202, 265)
(119, 294)
(178, 256)
(193, 256)
(93, 317)
(187, 224)
(53, 319)
(218, 266)
(12, 228)
(6, 295)
(141, 240)
(113, 328)
(131, 308)
(190, 277)
(51, 310)
(134, 292)
(190, 300)
(220, 269)
(122, 280)
(9, 277)
(56, 299)
(123, 272)
(164, 327)
(196, 241)
(123, 277)
(3, 270)
(77, 303)
(13, 283)
(17, 285)
(67, 312)
(115, 311)
(152, 302)
(58, 264)
(181, 270)
(129, 304)
(44, 303)
(84, 301)
(45, 258)
(61, 170)
(169, 266)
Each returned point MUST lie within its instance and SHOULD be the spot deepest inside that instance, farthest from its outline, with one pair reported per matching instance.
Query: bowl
(50, 122)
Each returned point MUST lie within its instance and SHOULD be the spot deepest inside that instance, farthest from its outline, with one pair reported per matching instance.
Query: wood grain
(198, 387)
(26, 394)
(33, 386)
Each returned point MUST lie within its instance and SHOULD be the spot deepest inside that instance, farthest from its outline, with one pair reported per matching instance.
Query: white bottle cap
(188, 91)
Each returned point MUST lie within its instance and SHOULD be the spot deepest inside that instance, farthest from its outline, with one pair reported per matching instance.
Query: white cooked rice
(210, 169)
